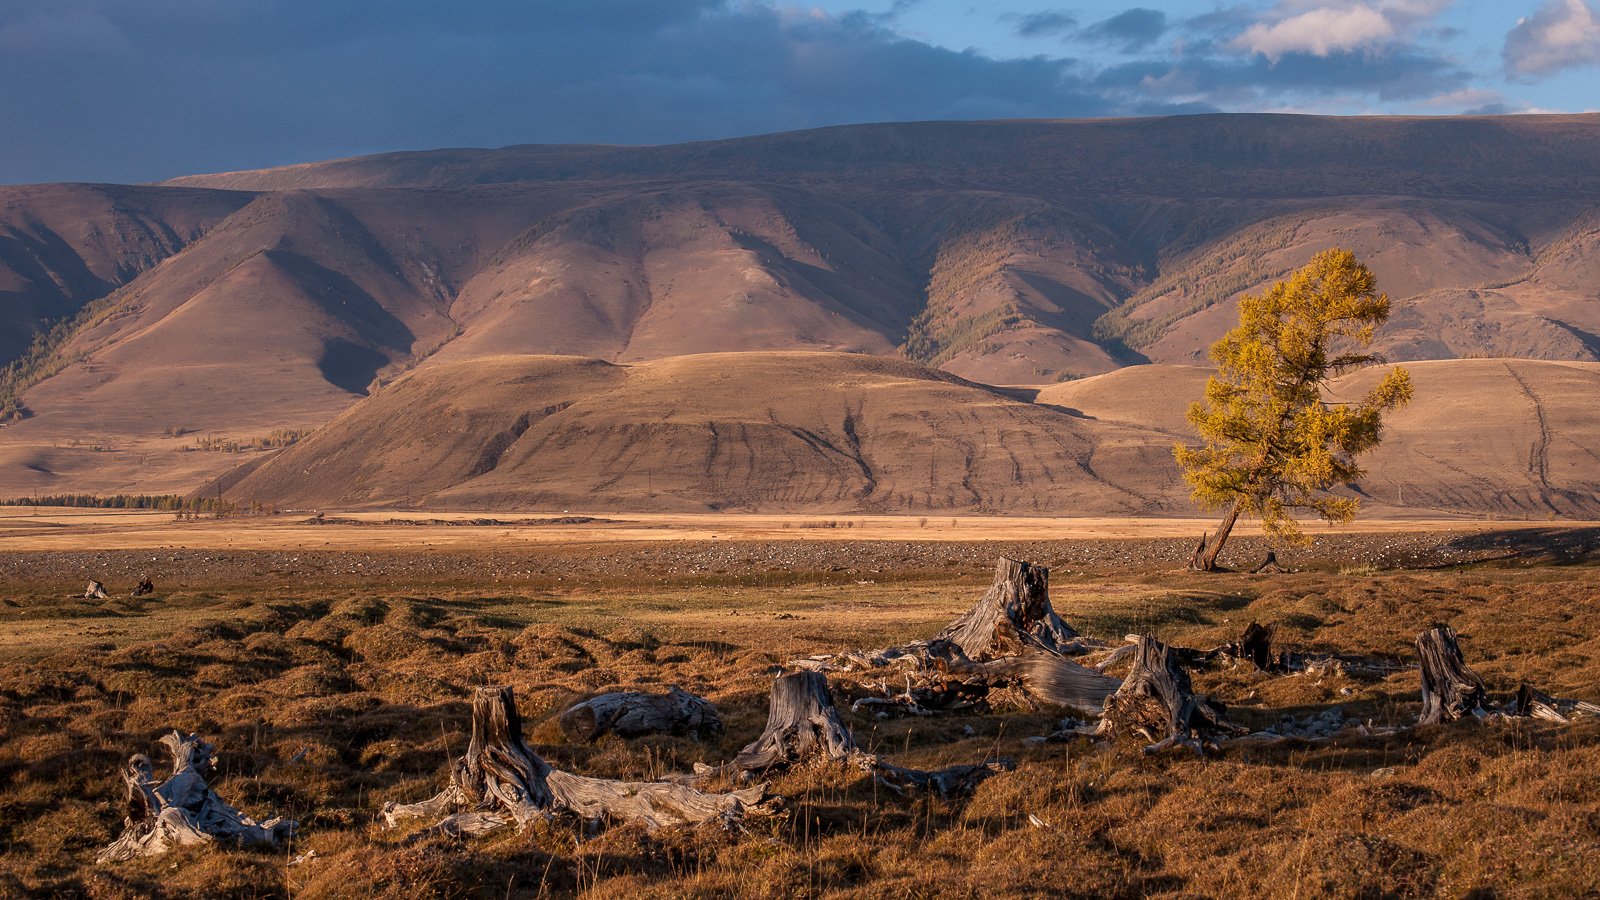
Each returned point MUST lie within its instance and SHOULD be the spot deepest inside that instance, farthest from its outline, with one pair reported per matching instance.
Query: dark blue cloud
(1132, 30)
(124, 90)
(145, 89)
(1043, 23)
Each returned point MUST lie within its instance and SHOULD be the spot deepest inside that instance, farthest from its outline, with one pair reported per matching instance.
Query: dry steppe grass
(326, 702)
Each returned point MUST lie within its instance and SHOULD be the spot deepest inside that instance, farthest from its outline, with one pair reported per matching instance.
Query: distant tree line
(175, 502)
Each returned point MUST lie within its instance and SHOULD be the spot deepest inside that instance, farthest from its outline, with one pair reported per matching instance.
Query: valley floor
(333, 678)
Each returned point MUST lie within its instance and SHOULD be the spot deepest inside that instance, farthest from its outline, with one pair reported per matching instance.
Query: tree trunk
(631, 714)
(500, 781)
(1450, 690)
(1014, 613)
(183, 810)
(1205, 555)
(1157, 699)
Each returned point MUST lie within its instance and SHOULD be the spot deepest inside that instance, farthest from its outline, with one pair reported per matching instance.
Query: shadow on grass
(1541, 546)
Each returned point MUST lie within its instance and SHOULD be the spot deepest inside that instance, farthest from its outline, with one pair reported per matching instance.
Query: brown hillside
(842, 432)
(1007, 252)
(63, 245)
(1227, 155)
(1500, 436)
(767, 431)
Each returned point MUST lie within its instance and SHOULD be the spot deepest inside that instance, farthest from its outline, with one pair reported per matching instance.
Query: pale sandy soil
(48, 528)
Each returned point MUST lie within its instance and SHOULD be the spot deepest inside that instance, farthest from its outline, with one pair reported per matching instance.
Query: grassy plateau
(332, 681)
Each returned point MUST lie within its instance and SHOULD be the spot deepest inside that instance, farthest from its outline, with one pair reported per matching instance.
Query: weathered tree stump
(1157, 699)
(1014, 614)
(1197, 558)
(143, 589)
(500, 781)
(1255, 646)
(183, 810)
(633, 713)
(802, 724)
(95, 591)
(1269, 566)
(1450, 690)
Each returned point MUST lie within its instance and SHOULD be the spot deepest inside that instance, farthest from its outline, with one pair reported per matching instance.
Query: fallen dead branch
(500, 781)
(1533, 703)
(633, 714)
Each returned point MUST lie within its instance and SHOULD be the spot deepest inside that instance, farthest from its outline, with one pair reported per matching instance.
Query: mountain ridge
(1021, 252)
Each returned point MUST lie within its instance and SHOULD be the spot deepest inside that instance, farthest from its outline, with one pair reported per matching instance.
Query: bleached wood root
(938, 678)
(183, 810)
(500, 781)
(632, 714)
(95, 591)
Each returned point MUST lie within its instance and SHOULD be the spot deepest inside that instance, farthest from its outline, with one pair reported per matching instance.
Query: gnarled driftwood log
(183, 810)
(1450, 690)
(95, 591)
(1157, 699)
(633, 713)
(500, 781)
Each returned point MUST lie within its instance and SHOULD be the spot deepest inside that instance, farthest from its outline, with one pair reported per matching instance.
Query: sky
(140, 90)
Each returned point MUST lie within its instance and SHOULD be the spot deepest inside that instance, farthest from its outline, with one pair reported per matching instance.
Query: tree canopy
(1272, 442)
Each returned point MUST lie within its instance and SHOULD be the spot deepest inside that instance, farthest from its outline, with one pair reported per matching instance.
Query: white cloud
(1324, 27)
(1318, 32)
(1562, 34)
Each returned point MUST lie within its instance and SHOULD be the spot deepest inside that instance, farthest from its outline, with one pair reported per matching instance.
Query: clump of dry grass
(323, 707)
